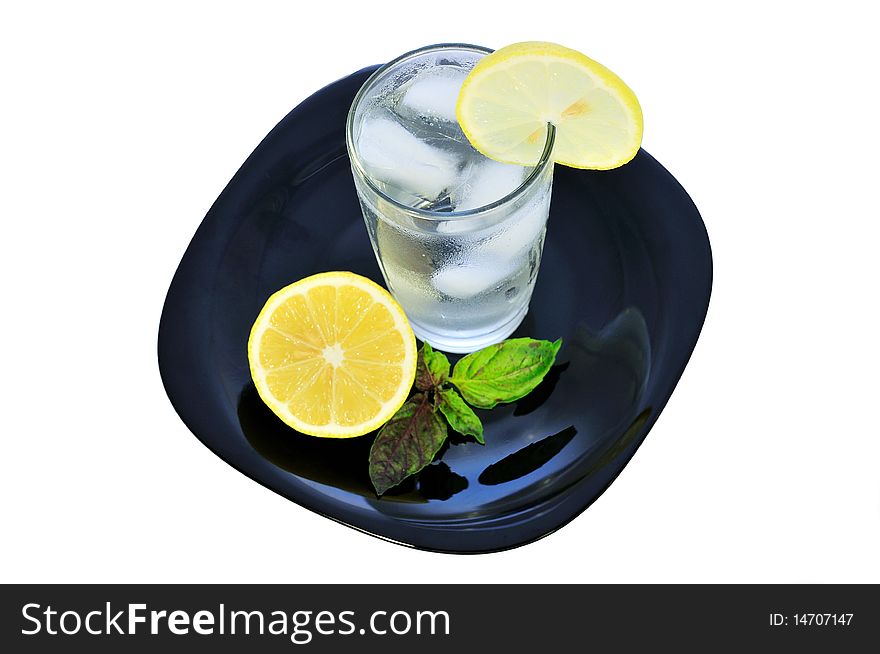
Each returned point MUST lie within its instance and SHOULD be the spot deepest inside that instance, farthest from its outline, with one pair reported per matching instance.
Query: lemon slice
(333, 355)
(509, 97)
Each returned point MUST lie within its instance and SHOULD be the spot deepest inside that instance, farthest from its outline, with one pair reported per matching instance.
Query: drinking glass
(458, 236)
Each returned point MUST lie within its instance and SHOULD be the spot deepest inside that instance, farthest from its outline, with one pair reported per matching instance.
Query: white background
(120, 126)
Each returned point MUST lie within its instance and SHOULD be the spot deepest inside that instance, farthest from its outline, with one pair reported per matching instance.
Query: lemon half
(511, 95)
(333, 355)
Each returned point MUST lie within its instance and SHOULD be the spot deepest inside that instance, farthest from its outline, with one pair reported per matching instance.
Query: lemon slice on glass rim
(511, 95)
(333, 355)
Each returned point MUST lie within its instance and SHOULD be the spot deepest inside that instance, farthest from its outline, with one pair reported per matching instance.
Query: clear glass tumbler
(458, 237)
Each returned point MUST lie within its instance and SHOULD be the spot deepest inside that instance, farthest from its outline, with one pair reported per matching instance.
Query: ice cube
(522, 229)
(519, 227)
(434, 93)
(489, 181)
(393, 155)
(464, 280)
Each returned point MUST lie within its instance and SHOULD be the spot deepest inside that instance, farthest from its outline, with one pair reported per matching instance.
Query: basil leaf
(504, 372)
(459, 415)
(432, 368)
(406, 444)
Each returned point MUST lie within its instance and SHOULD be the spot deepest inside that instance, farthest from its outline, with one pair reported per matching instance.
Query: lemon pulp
(332, 355)
(511, 95)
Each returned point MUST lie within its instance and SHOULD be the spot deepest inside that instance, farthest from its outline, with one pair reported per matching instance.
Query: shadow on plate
(340, 463)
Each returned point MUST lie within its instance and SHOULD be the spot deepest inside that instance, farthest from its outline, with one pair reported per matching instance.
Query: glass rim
(426, 214)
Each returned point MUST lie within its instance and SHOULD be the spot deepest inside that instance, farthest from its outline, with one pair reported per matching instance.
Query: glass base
(456, 343)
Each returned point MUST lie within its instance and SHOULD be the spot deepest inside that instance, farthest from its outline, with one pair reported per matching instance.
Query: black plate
(625, 281)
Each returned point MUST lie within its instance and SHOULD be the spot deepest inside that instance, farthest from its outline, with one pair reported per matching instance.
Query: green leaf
(504, 372)
(459, 415)
(406, 444)
(432, 368)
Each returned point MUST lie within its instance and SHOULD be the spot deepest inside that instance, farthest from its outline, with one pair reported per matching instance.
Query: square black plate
(625, 282)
